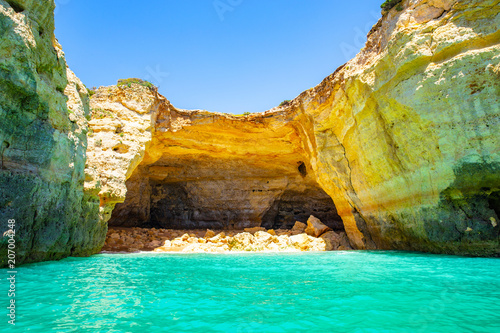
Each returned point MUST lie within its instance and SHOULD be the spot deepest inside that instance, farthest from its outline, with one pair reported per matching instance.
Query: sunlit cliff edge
(399, 147)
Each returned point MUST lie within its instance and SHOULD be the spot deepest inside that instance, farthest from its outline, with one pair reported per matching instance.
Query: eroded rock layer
(403, 138)
(200, 170)
(406, 136)
(43, 109)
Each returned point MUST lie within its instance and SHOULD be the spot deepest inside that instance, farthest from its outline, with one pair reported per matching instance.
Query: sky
(231, 56)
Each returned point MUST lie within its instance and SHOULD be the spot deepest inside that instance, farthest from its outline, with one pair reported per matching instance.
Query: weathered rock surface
(334, 241)
(403, 139)
(405, 135)
(315, 227)
(43, 126)
(195, 169)
(401, 143)
(121, 129)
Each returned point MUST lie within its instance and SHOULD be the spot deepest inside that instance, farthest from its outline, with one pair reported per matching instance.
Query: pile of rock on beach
(315, 236)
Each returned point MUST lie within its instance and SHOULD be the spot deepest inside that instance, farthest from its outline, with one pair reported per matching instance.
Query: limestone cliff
(406, 136)
(43, 127)
(195, 169)
(403, 138)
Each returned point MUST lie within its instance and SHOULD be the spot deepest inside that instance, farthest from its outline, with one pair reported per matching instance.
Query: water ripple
(317, 292)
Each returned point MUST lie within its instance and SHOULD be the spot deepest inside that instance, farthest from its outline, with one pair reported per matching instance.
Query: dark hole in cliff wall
(18, 8)
(295, 206)
(494, 202)
(302, 169)
(222, 204)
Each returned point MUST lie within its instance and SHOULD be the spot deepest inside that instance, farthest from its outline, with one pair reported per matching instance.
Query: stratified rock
(405, 134)
(172, 168)
(43, 126)
(121, 129)
(315, 227)
(403, 139)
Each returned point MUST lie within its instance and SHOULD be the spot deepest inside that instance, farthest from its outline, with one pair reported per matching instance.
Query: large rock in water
(43, 126)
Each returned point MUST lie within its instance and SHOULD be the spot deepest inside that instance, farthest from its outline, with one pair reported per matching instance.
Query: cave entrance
(211, 196)
(295, 206)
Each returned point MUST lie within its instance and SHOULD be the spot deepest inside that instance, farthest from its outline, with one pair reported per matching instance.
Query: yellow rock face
(178, 169)
(405, 134)
(403, 138)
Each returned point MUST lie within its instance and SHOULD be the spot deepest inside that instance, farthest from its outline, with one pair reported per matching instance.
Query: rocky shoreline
(315, 236)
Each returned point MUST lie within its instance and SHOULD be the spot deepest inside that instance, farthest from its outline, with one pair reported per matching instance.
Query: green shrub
(246, 113)
(98, 143)
(128, 83)
(389, 4)
(285, 102)
(91, 91)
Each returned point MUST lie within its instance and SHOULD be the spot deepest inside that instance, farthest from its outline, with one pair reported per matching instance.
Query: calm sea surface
(357, 291)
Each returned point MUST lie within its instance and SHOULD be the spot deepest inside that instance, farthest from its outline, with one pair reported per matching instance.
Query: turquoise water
(321, 292)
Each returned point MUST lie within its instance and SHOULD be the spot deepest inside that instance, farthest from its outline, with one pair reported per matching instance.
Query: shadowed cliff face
(43, 141)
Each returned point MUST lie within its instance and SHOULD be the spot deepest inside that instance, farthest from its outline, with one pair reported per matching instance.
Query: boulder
(336, 241)
(316, 244)
(344, 241)
(300, 242)
(299, 227)
(315, 228)
(254, 230)
(263, 238)
(209, 234)
(154, 244)
(243, 241)
(331, 239)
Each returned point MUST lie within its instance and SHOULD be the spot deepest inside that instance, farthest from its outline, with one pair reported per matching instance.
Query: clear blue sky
(229, 56)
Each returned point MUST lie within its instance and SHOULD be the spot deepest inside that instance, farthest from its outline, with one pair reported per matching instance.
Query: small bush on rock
(389, 4)
(128, 83)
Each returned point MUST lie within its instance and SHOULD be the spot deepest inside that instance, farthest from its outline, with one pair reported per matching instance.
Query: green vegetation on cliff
(389, 4)
(128, 83)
